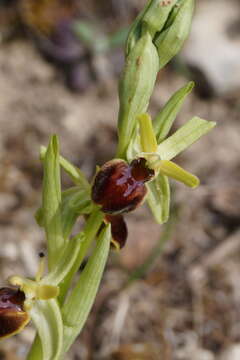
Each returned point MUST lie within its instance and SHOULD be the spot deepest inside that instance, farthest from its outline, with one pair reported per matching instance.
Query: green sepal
(51, 201)
(75, 202)
(184, 137)
(170, 41)
(135, 89)
(78, 305)
(176, 172)
(158, 198)
(74, 173)
(46, 316)
(165, 118)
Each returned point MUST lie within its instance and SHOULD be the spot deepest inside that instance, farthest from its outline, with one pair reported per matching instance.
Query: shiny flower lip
(119, 187)
(13, 317)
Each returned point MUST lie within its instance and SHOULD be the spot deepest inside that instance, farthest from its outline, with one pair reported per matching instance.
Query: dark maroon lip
(120, 187)
(11, 299)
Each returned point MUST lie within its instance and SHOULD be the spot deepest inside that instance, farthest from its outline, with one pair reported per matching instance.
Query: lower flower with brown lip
(13, 317)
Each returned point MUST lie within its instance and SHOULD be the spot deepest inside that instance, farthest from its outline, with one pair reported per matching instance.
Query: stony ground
(188, 301)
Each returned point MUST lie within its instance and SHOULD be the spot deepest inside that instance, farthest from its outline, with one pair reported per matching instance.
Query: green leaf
(184, 137)
(165, 118)
(170, 41)
(135, 89)
(75, 202)
(47, 318)
(78, 305)
(75, 174)
(51, 201)
(159, 198)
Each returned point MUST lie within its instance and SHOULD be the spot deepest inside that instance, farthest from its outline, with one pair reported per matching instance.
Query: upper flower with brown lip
(119, 187)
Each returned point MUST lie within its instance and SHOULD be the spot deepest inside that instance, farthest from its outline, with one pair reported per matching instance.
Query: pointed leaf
(165, 118)
(78, 305)
(184, 137)
(159, 198)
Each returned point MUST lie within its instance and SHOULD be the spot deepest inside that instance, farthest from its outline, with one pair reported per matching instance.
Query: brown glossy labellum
(13, 318)
(119, 187)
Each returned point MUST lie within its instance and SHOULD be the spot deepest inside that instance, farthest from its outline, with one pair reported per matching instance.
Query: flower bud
(13, 318)
(119, 187)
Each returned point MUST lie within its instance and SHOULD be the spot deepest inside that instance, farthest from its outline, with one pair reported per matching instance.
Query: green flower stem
(157, 250)
(88, 234)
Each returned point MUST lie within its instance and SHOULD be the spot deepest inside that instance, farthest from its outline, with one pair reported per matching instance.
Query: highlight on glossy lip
(13, 318)
(119, 187)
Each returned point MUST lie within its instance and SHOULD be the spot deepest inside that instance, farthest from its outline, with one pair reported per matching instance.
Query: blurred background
(60, 63)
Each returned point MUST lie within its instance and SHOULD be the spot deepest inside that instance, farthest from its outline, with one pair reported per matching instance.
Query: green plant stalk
(88, 234)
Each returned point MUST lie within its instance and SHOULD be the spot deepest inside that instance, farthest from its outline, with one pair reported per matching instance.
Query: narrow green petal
(184, 137)
(159, 198)
(47, 318)
(176, 172)
(165, 118)
(51, 201)
(147, 136)
(77, 307)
